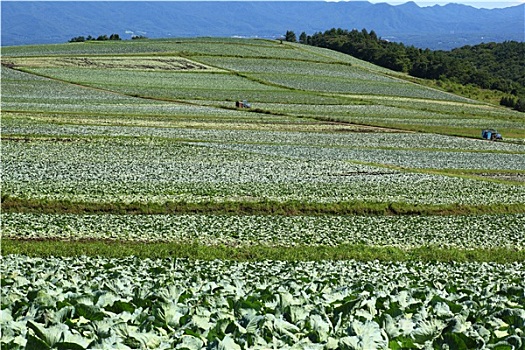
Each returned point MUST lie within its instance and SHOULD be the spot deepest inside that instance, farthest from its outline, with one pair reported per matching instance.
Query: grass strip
(21, 205)
(490, 175)
(471, 132)
(193, 250)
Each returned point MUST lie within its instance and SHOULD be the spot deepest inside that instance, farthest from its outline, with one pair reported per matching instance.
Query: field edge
(291, 208)
(196, 251)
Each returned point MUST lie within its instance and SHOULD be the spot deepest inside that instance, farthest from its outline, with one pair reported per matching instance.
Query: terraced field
(349, 208)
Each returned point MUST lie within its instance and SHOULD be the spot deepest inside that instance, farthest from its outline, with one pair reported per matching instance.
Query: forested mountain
(435, 27)
(497, 66)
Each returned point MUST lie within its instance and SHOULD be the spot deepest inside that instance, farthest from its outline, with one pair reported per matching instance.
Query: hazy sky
(422, 3)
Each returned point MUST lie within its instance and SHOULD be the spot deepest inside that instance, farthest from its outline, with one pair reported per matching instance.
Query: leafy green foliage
(353, 90)
(160, 171)
(497, 66)
(153, 130)
(102, 37)
(402, 231)
(191, 303)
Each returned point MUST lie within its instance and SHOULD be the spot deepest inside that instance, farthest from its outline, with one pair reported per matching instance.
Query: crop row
(280, 66)
(397, 107)
(204, 46)
(164, 304)
(457, 122)
(415, 190)
(24, 92)
(154, 171)
(187, 125)
(466, 232)
(431, 159)
(165, 63)
(115, 109)
(32, 88)
(412, 119)
(353, 86)
(188, 86)
(200, 124)
(170, 84)
(333, 77)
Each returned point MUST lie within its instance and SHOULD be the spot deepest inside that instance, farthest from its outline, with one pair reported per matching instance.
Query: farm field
(349, 208)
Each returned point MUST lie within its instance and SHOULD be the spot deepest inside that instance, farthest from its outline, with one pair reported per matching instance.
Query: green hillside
(496, 66)
(283, 80)
(348, 208)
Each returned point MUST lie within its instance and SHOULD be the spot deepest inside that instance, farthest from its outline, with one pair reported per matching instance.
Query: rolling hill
(280, 78)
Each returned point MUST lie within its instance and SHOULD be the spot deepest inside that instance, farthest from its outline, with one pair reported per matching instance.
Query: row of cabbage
(147, 170)
(161, 84)
(154, 85)
(97, 303)
(461, 125)
(297, 67)
(409, 189)
(430, 159)
(337, 76)
(21, 94)
(182, 46)
(184, 85)
(295, 74)
(198, 124)
(355, 104)
(465, 232)
(189, 127)
(25, 92)
(168, 63)
(380, 110)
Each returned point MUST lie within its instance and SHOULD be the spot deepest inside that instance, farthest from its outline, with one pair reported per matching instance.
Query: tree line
(104, 37)
(496, 66)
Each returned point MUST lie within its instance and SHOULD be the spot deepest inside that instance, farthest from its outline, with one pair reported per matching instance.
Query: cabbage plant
(97, 303)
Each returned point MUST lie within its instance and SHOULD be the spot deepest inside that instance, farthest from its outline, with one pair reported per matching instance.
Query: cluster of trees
(496, 66)
(103, 37)
(513, 102)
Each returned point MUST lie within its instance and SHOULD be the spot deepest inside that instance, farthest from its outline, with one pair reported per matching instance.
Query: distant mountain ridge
(436, 27)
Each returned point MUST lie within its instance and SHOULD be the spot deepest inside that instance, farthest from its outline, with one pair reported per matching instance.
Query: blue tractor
(491, 134)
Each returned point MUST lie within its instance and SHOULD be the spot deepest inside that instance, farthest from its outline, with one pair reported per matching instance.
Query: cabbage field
(349, 208)
(103, 303)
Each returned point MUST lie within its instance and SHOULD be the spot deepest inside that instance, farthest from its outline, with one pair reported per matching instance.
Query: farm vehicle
(491, 134)
(243, 104)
